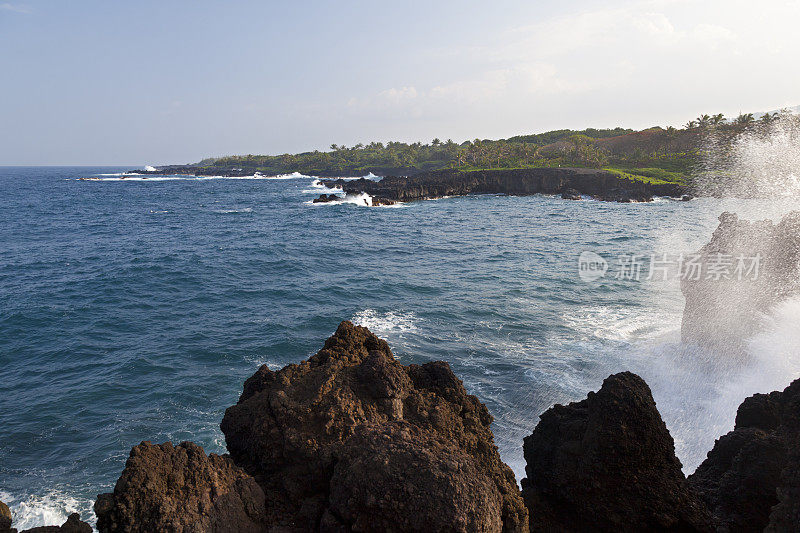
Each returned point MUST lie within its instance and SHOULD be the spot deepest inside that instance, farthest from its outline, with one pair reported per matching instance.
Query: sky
(156, 82)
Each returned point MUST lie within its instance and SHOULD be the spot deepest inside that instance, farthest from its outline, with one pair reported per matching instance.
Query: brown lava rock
(181, 489)
(353, 440)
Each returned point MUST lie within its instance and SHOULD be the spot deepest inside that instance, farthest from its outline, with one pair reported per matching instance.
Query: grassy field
(656, 176)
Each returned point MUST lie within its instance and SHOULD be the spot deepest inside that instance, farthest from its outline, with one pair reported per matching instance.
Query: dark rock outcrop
(571, 194)
(722, 311)
(377, 200)
(751, 479)
(437, 184)
(323, 198)
(352, 439)
(608, 463)
(181, 489)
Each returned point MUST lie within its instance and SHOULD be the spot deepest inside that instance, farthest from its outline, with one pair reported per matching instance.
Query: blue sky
(133, 83)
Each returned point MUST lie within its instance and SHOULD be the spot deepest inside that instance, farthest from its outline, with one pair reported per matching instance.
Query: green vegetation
(655, 176)
(655, 155)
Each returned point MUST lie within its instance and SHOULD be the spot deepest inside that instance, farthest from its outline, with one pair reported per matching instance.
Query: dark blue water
(134, 310)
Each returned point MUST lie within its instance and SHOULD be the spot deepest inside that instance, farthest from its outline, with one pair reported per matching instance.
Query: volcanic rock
(437, 184)
(353, 440)
(607, 463)
(747, 268)
(751, 478)
(181, 489)
(325, 198)
(571, 194)
(5, 519)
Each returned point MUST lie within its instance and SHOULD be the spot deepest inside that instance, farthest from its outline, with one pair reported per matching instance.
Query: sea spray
(761, 160)
(698, 387)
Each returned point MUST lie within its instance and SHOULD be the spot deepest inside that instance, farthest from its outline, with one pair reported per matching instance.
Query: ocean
(134, 309)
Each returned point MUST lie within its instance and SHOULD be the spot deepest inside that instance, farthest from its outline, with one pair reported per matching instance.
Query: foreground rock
(751, 479)
(570, 181)
(747, 268)
(181, 489)
(5, 518)
(72, 525)
(353, 440)
(608, 463)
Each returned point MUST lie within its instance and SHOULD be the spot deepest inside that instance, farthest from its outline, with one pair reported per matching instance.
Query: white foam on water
(385, 323)
(149, 168)
(620, 323)
(362, 200)
(317, 186)
(229, 211)
(51, 509)
(292, 176)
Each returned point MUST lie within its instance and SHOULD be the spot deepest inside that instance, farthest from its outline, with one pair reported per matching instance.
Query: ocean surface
(134, 309)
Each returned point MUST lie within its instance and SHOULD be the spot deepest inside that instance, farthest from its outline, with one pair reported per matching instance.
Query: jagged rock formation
(352, 439)
(722, 311)
(598, 183)
(5, 518)
(181, 489)
(751, 479)
(608, 463)
(72, 525)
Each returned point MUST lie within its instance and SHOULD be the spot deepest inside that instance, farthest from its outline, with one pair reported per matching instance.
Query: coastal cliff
(565, 181)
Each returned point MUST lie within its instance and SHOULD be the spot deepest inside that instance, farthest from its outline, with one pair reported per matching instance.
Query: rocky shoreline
(570, 183)
(352, 440)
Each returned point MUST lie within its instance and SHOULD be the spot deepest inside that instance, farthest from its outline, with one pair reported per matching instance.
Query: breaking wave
(52, 508)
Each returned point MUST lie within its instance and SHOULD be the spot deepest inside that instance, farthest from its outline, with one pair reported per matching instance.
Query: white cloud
(398, 96)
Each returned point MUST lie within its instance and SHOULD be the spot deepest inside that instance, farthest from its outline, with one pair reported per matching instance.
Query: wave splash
(386, 323)
(762, 161)
(52, 508)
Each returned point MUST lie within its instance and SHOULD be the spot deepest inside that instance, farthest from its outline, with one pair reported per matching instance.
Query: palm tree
(767, 117)
(744, 119)
(718, 119)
